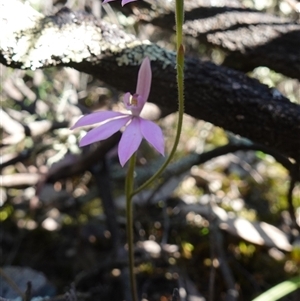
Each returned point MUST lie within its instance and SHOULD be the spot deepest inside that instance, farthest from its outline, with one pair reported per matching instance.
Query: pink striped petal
(104, 131)
(130, 141)
(144, 80)
(96, 118)
(153, 134)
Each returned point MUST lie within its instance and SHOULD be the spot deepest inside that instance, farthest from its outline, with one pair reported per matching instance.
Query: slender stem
(129, 182)
(179, 16)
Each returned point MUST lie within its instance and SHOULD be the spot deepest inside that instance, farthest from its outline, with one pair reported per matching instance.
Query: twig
(101, 173)
(232, 293)
(180, 166)
(12, 284)
(28, 292)
(70, 295)
(294, 5)
(85, 161)
(15, 158)
(294, 179)
(102, 177)
(175, 295)
(4, 299)
(212, 273)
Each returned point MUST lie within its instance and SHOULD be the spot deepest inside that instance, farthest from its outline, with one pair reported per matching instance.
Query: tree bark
(249, 38)
(222, 96)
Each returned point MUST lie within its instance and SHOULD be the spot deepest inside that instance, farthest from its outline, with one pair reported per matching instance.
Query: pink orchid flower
(123, 1)
(137, 127)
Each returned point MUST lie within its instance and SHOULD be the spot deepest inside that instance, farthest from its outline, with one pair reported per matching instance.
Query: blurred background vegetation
(59, 229)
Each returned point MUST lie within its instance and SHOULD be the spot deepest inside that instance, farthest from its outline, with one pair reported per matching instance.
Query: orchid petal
(130, 141)
(133, 103)
(127, 1)
(126, 100)
(144, 80)
(96, 118)
(153, 134)
(140, 105)
(104, 131)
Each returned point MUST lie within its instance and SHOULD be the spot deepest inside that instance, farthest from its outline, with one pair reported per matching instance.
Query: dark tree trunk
(222, 96)
(248, 37)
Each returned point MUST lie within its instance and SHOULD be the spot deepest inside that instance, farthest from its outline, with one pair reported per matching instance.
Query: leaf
(280, 290)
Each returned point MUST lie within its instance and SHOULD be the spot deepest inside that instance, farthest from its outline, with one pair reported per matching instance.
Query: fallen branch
(222, 96)
(249, 38)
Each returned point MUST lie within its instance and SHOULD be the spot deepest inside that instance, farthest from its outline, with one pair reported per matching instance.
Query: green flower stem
(129, 182)
(179, 16)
